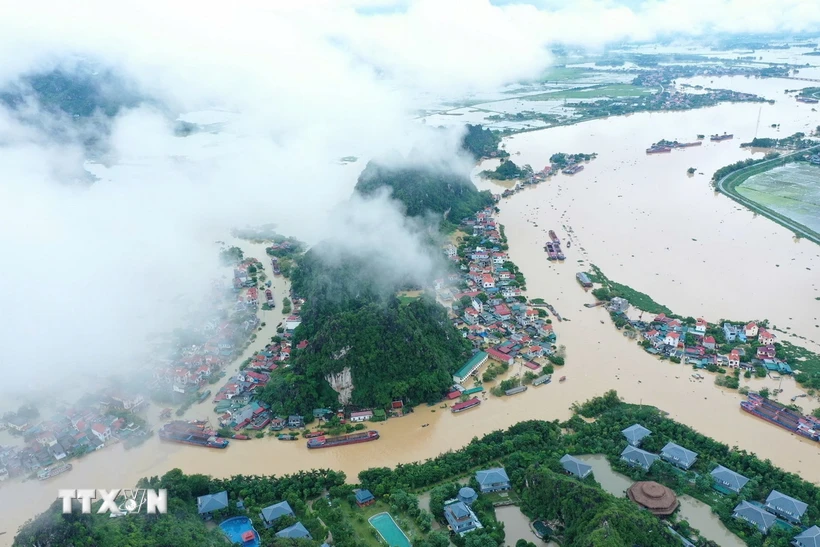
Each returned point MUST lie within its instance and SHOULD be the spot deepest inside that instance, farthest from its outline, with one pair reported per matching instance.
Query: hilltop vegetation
(423, 190)
(482, 143)
(352, 319)
(508, 170)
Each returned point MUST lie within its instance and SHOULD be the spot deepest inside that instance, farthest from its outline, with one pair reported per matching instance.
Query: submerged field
(792, 190)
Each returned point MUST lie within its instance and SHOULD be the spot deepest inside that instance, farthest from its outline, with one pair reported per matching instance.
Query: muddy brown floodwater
(646, 224)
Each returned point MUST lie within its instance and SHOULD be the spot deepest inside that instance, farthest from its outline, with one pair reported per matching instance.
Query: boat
(465, 405)
(688, 144)
(287, 437)
(193, 432)
(778, 414)
(204, 396)
(658, 149)
(718, 138)
(554, 237)
(240, 437)
(353, 438)
(559, 255)
(165, 414)
(313, 434)
(569, 244)
(515, 390)
(572, 169)
(58, 469)
(552, 254)
(563, 379)
(274, 262)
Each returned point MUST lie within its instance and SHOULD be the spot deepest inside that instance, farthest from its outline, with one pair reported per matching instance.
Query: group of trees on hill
(424, 190)
(481, 143)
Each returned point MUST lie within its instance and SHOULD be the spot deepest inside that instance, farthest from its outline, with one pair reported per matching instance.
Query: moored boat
(204, 396)
(718, 138)
(240, 437)
(193, 432)
(286, 437)
(777, 414)
(53, 471)
(554, 237)
(658, 149)
(465, 405)
(353, 438)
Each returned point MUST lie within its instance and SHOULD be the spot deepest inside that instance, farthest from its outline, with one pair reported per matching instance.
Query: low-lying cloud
(90, 270)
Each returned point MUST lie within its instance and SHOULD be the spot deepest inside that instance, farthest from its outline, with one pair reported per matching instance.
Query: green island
(803, 362)
(728, 179)
(508, 170)
(573, 512)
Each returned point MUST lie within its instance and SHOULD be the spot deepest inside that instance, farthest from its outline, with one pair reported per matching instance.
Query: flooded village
(637, 216)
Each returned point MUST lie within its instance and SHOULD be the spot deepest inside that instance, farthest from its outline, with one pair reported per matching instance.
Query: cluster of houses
(760, 515)
(458, 512)
(495, 321)
(82, 428)
(667, 336)
(208, 504)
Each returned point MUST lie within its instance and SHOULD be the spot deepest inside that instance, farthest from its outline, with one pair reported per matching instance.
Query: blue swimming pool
(389, 530)
(235, 527)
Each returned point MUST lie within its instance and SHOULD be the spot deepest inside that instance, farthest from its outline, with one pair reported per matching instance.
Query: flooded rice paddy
(792, 190)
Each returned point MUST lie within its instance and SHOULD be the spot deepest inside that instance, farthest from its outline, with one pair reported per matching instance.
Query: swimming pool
(389, 530)
(236, 526)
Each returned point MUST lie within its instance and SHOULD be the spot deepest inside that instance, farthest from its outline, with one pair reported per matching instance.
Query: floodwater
(516, 526)
(792, 190)
(698, 514)
(646, 224)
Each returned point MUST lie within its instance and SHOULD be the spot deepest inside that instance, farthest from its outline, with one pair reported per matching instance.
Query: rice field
(792, 190)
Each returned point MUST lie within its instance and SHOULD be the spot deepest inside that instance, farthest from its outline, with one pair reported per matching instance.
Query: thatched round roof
(659, 499)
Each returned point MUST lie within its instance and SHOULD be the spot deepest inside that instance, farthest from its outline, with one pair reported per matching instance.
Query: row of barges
(553, 247)
(194, 432)
(780, 415)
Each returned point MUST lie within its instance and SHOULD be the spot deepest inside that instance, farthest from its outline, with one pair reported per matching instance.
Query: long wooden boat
(353, 438)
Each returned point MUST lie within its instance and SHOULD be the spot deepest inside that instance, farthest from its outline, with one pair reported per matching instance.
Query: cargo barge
(718, 138)
(689, 144)
(58, 469)
(658, 149)
(572, 169)
(552, 254)
(466, 405)
(779, 415)
(193, 433)
(274, 262)
(554, 237)
(353, 438)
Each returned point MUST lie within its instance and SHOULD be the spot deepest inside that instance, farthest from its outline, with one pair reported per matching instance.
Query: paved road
(799, 229)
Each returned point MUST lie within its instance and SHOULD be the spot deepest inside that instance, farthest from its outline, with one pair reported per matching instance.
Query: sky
(91, 271)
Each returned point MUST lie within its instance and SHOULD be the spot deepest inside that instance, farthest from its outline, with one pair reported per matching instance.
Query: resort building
(576, 467)
(470, 366)
(296, 531)
(461, 518)
(635, 434)
(272, 512)
(656, 498)
(467, 495)
(808, 538)
(678, 455)
(209, 503)
(754, 515)
(728, 479)
(364, 497)
(635, 456)
(493, 480)
(787, 507)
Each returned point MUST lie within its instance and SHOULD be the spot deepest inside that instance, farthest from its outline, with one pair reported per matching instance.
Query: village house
(672, 339)
(709, 342)
(292, 322)
(674, 325)
(751, 330)
(471, 315)
(503, 312)
(102, 432)
(766, 352)
(730, 332)
(701, 325)
(487, 281)
(361, 416)
(499, 356)
(765, 337)
(734, 359)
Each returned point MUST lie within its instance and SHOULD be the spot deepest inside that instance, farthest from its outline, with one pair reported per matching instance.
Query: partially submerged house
(635, 434)
(754, 515)
(678, 455)
(785, 506)
(470, 366)
(493, 480)
(635, 456)
(727, 478)
(576, 467)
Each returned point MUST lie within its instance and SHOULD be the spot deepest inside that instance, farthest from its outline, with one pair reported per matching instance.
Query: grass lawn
(502, 497)
(405, 297)
(366, 534)
(609, 91)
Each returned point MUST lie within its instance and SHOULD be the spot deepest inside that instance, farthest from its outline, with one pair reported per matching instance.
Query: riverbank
(728, 186)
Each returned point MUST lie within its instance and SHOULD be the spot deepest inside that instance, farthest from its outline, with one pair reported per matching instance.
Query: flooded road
(646, 224)
(698, 514)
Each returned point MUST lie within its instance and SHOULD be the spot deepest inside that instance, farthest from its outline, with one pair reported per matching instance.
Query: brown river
(646, 224)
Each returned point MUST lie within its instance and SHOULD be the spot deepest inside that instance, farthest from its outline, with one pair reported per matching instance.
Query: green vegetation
(482, 143)
(799, 358)
(795, 142)
(580, 512)
(604, 91)
(508, 170)
(611, 289)
(742, 164)
(354, 321)
(422, 190)
(231, 256)
(691, 171)
(561, 159)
